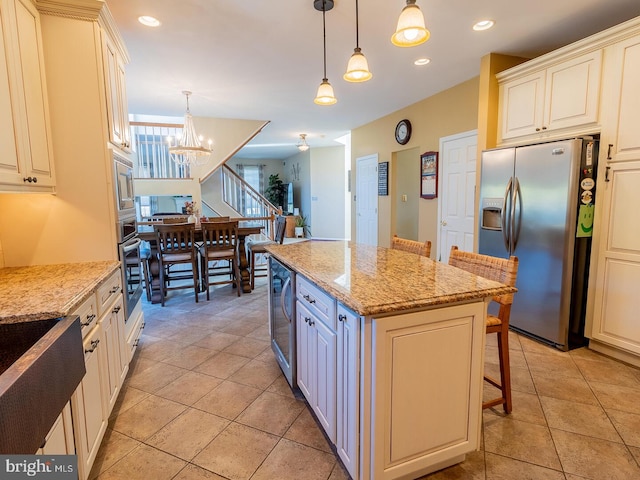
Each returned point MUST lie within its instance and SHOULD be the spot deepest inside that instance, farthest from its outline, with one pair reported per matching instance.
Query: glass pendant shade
(357, 68)
(325, 94)
(411, 30)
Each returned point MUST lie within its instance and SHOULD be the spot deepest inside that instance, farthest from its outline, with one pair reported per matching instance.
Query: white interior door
(367, 199)
(456, 202)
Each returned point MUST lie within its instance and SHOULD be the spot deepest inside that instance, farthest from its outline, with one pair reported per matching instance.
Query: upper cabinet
(550, 96)
(26, 158)
(117, 110)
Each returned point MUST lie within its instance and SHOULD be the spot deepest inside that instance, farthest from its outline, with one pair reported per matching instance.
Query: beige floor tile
(526, 408)
(129, 396)
(188, 434)
(189, 388)
(154, 378)
(635, 451)
(147, 417)
(257, 374)
(516, 357)
(217, 340)
(520, 377)
(292, 461)
(260, 333)
(503, 468)
(189, 336)
(265, 356)
(570, 417)
(114, 447)
(339, 473)
(248, 347)
(530, 345)
(190, 357)
(617, 397)
(281, 387)
(271, 413)
(628, 426)
(139, 364)
(240, 328)
(306, 431)
(594, 458)
(222, 365)
(237, 452)
(228, 399)
(161, 349)
(472, 468)
(614, 373)
(144, 463)
(514, 341)
(558, 365)
(572, 389)
(193, 472)
(521, 441)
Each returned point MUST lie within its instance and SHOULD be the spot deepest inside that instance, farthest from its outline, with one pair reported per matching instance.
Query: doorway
(456, 202)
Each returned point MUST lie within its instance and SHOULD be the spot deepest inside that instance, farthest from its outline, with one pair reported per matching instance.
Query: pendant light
(325, 94)
(357, 68)
(302, 145)
(410, 30)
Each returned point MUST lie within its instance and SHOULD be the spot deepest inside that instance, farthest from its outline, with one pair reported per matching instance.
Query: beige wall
(446, 113)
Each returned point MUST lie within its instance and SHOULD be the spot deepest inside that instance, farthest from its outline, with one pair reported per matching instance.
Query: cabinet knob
(544, 128)
(30, 179)
(115, 289)
(309, 299)
(342, 318)
(117, 309)
(307, 319)
(311, 323)
(89, 320)
(94, 345)
(537, 129)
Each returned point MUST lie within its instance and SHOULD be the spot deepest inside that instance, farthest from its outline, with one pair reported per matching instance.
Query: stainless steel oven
(282, 321)
(132, 273)
(123, 180)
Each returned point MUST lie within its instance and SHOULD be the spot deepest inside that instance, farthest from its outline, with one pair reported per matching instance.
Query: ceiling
(262, 60)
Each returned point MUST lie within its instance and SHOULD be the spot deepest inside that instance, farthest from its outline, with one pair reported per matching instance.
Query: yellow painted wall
(449, 112)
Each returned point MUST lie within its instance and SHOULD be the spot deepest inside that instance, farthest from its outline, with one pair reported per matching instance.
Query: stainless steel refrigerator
(536, 202)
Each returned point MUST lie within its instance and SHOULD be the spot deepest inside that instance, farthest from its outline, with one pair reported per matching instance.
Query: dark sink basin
(41, 364)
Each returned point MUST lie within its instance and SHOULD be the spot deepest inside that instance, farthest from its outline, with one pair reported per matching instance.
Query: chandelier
(303, 146)
(188, 149)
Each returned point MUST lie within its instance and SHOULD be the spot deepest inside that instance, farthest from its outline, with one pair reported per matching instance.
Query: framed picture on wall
(429, 175)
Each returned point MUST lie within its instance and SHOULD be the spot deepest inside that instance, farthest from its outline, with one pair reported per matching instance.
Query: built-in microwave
(125, 198)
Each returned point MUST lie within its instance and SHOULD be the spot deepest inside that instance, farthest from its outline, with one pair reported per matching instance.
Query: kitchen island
(389, 352)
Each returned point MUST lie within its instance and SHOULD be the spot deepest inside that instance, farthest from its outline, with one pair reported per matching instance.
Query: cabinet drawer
(88, 313)
(108, 291)
(317, 301)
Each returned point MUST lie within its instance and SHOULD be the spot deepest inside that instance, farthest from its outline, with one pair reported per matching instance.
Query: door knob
(443, 223)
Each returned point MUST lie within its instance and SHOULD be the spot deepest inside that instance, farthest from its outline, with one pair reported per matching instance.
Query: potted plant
(301, 225)
(275, 191)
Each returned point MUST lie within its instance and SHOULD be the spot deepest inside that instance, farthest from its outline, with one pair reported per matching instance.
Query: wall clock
(403, 132)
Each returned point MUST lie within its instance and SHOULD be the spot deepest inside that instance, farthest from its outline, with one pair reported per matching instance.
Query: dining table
(245, 228)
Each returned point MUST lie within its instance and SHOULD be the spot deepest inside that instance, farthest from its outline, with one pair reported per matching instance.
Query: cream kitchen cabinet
(59, 440)
(26, 154)
(347, 424)
(115, 79)
(317, 367)
(616, 304)
(548, 98)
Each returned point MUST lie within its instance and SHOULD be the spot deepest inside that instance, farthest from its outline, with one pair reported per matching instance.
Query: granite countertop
(376, 280)
(48, 291)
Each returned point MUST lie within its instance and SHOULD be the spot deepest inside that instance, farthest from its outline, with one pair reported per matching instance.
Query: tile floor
(205, 399)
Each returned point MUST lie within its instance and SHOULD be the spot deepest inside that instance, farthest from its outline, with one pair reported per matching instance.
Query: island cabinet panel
(59, 440)
(421, 363)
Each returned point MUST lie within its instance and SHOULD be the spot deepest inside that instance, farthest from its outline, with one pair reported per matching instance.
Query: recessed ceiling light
(149, 21)
(422, 61)
(483, 25)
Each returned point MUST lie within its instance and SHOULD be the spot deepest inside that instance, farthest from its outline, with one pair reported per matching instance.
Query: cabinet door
(621, 101)
(88, 405)
(59, 440)
(615, 320)
(305, 338)
(522, 105)
(348, 390)
(324, 397)
(116, 97)
(9, 166)
(112, 338)
(573, 92)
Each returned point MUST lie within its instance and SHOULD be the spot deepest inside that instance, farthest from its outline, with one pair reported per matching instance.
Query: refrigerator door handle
(515, 226)
(503, 216)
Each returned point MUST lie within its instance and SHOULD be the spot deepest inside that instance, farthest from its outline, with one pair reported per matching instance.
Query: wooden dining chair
(504, 271)
(258, 248)
(176, 246)
(174, 220)
(406, 245)
(219, 243)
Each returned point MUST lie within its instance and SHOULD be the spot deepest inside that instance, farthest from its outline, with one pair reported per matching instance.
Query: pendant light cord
(357, 28)
(324, 37)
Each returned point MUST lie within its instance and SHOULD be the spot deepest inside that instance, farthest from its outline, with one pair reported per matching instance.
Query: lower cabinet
(113, 328)
(88, 403)
(59, 440)
(317, 367)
